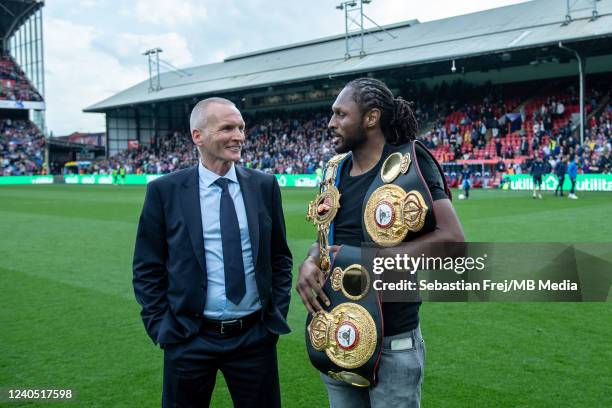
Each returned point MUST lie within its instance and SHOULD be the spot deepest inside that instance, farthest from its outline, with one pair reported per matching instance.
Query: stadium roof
(14, 12)
(521, 26)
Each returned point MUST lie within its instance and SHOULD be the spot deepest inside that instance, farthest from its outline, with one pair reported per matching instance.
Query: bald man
(212, 269)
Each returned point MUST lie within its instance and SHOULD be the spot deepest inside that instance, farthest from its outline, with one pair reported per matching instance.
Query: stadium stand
(274, 145)
(21, 148)
(22, 142)
(491, 89)
(495, 127)
(174, 151)
(508, 125)
(289, 146)
(14, 85)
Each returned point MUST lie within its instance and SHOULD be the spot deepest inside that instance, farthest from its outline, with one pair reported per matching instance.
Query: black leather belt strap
(349, 255)
(231, 327)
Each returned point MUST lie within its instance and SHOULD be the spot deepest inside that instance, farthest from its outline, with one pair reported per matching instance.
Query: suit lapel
(250, 196)
(190, 201)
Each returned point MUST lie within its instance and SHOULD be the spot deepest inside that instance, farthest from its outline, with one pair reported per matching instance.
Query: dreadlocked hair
(397, 119)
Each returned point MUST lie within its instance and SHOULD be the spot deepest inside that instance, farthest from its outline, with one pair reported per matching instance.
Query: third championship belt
(344, 341)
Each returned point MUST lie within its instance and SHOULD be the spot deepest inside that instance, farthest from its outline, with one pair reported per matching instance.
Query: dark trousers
(466, 188)
(247, 361)
(560, 185)
(573, 180)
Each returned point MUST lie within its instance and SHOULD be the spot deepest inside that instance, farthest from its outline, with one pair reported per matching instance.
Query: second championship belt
(344, 341)
(398, 204)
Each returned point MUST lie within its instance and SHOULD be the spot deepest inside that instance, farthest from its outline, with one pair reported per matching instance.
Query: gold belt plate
(350, 378)
(324, 207)
(391, 213)
(347, 335)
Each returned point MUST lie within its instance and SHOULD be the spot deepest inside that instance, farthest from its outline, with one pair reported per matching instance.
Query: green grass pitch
(69, 319)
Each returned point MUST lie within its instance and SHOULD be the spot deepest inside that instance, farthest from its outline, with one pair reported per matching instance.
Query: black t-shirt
(398, 317)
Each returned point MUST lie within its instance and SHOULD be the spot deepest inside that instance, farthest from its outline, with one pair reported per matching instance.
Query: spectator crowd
(273, 145)
(14, 85)
(504, 131)
(457, 122)
(21, 148)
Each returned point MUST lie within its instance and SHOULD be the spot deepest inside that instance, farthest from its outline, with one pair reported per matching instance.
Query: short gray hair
(197, 120)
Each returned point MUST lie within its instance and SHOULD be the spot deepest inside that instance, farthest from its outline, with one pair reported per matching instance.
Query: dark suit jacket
(169, 264)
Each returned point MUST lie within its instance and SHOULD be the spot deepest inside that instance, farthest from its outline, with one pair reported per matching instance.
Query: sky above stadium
(93, 48)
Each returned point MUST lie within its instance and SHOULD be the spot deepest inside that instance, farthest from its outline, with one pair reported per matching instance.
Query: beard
(352, 142)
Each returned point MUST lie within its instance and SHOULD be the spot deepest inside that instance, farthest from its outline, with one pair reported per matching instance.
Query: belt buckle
(229, 323)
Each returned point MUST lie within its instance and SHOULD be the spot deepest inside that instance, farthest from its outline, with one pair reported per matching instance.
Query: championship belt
(398, 206)
(343, 341)
(324, 208)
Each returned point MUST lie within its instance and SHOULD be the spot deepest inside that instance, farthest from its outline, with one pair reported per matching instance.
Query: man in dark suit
(212, 269)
